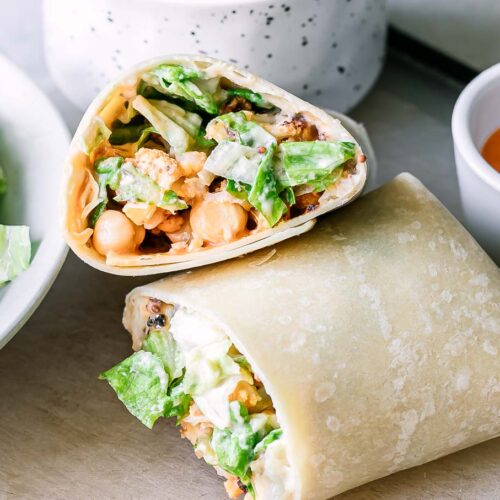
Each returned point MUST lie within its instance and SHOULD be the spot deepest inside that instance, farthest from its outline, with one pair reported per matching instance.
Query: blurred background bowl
(326, 51)
(33, 144)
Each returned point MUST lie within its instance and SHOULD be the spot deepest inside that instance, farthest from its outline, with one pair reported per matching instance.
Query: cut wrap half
(187, 160)
(365, 347)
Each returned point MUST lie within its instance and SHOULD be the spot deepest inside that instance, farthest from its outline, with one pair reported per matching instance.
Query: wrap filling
(183, 160)
(186, 367)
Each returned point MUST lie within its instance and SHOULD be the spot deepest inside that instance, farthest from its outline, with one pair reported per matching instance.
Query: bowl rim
(460, 126)
(52, 243)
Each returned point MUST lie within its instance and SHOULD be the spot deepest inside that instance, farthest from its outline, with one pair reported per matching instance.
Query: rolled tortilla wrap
(376, 335)
(188, 160)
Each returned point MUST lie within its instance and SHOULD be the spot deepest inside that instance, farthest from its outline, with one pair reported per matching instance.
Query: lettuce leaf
(95, 134)
(176, 80)
(261, 447)
(234, 446)
(253, 97)
(264, 195)
(163, 345)
(173, 133)
(307, 162)
(250, 162)
(135, 186)
(234, 161)
(190, 122)
(238, 189)
(149, 383)
(141, 384)
(237, 445)
(130, 133)
(178, 403)
(207, 366)
(246, 131)
(15, 251)
(322, 183)
(107, 170)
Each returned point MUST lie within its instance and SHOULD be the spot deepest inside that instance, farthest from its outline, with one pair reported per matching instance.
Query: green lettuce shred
(165, 347)
(253, 97)
(141, 384)
(95, 134)
(149, 383)
(247, 437)
(130, 133)
(173, 133)
(308, 162)
(15, 251)
(136, 186)
(264, 192)
(178, 81)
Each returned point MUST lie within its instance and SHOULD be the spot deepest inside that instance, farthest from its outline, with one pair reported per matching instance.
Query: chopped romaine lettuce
(207, 366)
(130, 185)
(249, 162)
(173, 133)
(261, 447)
(176, 80)
(141, 383)
(234, 161)
(107, 175)
(190, 122)
(306, 162)
(264, 195)
(94, 135)
(15, 251)
(162, 344)
(202, 143)
(253, 97)
(108, 171)
(323, 182)
(287, 195)
(126, 134)
(149, 382)
(246, 131)
(135, 186)
(178, 403)
(238, 189)
(3, 182)
(234, 446)
(171, 202)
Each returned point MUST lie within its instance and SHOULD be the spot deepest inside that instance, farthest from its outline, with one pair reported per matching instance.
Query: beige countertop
(63, 433)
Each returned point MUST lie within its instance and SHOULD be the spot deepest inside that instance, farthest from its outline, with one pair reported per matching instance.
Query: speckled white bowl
(327, 51)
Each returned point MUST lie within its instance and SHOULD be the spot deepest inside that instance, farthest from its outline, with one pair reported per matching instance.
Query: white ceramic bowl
(329, 51)
(33, 143)
(475, 117)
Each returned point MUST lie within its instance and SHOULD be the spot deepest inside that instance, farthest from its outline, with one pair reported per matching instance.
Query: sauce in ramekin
(491, 150)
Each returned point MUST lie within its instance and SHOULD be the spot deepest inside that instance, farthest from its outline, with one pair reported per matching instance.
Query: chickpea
(218, 222)
(115, 232)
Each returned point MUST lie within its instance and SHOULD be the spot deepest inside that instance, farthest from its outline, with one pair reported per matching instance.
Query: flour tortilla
(77, 172)
(377, 336)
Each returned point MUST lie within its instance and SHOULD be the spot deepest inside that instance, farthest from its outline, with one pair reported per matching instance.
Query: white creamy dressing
(272, 476)
(203, 343)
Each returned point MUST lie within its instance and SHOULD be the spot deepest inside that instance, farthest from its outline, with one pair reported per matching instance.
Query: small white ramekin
(475, 117)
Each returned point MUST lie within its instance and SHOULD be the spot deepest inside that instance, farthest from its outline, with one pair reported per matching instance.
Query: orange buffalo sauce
(491, 150)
